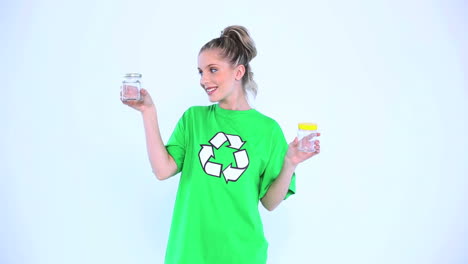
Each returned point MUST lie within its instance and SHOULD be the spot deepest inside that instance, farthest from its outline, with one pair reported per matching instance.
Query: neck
(237, 107)
(240, 104)
(237, 100)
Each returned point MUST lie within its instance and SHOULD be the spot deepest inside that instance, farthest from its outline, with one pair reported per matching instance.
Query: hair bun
(241, 36)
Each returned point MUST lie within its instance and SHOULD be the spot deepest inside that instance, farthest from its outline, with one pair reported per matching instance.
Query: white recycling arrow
(232, 174)
(213, 169)
(205, 154)
(218, 140)
(235, 141)
(241, 158)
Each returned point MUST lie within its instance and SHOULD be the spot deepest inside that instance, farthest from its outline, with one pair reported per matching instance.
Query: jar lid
(133, 74)
(308, 126)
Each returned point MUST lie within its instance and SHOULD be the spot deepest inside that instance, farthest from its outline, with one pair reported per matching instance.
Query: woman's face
(220, 80)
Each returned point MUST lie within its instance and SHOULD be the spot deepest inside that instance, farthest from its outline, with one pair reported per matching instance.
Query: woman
(231, 157)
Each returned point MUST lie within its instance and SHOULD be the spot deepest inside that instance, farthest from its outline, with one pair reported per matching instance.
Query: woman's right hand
(143, 104)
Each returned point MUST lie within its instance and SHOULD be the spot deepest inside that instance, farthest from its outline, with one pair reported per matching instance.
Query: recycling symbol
(215, 169)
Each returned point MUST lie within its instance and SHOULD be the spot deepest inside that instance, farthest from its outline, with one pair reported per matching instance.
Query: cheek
(216, 79)
(226, 78)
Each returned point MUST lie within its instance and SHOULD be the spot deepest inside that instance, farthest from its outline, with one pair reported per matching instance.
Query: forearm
(162, 164)
(279, 188)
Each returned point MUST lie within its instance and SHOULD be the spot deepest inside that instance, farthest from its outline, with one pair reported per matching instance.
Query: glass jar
(306, 134)
(131, 86)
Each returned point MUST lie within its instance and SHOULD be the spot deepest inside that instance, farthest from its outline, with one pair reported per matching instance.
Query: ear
(240, 71)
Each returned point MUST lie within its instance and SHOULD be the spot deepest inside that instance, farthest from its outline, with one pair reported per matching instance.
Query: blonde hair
(238, 47)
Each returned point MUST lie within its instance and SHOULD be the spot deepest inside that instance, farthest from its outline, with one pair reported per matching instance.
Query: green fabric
(228, 160)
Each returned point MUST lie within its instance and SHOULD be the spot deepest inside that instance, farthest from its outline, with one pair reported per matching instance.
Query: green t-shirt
(228, 160)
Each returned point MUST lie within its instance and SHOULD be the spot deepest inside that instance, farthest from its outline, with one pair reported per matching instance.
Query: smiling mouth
(210, 90)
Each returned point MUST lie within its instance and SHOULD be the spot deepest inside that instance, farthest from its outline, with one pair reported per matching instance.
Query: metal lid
(133, 75)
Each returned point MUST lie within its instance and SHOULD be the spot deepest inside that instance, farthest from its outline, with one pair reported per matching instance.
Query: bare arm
(280, 186)
(162, 163)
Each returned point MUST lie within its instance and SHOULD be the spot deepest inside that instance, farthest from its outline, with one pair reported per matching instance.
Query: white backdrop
(385, 80)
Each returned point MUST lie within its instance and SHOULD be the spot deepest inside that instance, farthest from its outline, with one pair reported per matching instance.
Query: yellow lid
(308, 126)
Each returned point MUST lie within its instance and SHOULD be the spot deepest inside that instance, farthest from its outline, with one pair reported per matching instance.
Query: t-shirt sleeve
(278, 150)
(176, 145)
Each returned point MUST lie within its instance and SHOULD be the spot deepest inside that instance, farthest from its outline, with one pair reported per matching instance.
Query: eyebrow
(209, 65)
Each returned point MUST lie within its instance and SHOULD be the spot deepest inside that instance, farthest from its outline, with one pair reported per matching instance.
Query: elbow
(163, 171)
(268, 207)
(161, 176)
(158, 177)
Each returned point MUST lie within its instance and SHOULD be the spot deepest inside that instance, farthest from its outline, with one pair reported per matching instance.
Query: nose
(203, 80)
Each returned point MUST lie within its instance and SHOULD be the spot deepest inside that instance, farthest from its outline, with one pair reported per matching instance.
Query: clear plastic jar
(306, 134)
(131, 86)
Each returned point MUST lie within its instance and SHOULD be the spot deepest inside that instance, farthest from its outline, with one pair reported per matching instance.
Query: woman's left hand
(295, 156)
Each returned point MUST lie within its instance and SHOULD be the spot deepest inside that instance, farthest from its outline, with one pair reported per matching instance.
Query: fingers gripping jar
(306, 134)
(131, 86)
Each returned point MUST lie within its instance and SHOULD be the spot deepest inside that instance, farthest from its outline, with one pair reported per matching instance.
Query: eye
(213, 70)
(200, 72)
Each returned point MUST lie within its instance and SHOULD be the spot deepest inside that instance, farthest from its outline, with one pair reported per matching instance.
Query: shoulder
(266, 124)
(272, 128)
(267, 121)
(196, 110)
